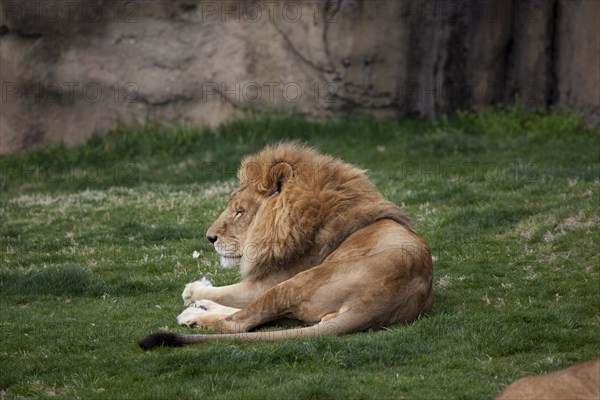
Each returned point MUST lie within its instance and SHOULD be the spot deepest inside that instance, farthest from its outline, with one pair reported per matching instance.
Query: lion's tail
(334, 326)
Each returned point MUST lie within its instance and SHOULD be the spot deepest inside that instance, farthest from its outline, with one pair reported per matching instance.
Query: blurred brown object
(579, 382)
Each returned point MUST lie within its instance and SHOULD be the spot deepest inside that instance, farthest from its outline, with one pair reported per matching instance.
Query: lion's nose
(212, 239)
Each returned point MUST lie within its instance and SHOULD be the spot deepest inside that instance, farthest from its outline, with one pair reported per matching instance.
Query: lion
(579, 382)
(316, 243)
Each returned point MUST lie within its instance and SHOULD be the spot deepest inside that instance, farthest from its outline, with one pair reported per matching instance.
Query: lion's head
(293, 202)
(228, 232)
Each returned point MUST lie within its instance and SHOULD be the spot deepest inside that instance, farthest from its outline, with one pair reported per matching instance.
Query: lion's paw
(192, 290)
(213, 308)
(191, 316)
(201, 304)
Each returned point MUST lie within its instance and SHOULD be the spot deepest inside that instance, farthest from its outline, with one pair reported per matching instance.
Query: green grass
(96, 245)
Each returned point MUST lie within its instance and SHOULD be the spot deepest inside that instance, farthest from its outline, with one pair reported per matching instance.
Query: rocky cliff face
(70, 70)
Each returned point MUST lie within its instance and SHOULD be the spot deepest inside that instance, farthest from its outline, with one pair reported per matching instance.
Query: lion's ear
(277, 176)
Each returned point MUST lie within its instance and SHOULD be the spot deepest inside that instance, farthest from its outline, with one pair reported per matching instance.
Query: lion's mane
(320, 202)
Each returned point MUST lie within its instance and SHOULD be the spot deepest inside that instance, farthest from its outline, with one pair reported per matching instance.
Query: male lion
(315, 243)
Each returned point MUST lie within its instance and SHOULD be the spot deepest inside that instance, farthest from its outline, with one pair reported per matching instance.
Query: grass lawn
(96, 245)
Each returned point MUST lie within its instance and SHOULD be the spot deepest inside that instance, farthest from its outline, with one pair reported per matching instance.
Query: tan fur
(317, 243)
(579, 382)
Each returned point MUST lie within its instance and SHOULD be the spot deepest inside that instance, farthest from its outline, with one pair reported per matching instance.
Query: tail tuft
(161, 339)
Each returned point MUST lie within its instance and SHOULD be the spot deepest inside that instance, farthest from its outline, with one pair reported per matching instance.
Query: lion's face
(229, 232)
(247, 230)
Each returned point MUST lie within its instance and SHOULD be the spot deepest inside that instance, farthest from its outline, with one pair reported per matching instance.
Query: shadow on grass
(71, 281)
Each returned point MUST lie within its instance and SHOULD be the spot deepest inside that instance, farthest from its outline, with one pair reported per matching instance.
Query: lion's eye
(239, 212)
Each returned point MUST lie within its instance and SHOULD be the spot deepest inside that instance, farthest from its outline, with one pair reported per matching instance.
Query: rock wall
(72, 69)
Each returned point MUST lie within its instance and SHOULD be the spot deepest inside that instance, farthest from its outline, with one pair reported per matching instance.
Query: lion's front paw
(213, 308)
(193, 291)
(191, 317)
